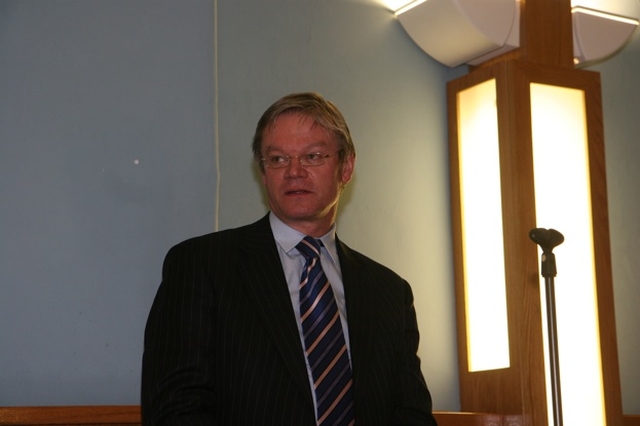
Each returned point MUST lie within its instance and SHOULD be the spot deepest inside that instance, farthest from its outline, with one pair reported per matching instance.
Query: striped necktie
(325, 346)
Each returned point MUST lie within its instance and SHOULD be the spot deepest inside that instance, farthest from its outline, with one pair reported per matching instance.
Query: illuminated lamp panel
(563, 202)
(482, 236)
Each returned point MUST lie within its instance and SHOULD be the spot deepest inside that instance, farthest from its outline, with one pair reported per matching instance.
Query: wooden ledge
(94, 415)
(631, 420)
(446, 418)
(129, 415)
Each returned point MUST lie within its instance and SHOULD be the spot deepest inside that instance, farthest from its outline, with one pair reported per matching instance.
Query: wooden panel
(546, 32)
(589, 82)
(129, 415)
(631, 420)
(519, 388)
(477, 419)
(107, 415)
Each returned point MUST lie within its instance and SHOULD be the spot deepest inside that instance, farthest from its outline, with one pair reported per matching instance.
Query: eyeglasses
(311, 159)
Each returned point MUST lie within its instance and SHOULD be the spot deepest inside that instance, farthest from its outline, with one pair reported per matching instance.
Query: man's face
(304, 197)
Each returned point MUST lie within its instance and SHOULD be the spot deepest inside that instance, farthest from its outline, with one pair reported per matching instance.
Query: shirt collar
(288, 238)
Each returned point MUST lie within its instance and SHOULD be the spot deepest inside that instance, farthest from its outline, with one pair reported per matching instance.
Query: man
(237, 335)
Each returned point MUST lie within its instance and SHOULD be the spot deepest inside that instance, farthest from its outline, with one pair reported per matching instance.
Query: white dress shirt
(293, 262)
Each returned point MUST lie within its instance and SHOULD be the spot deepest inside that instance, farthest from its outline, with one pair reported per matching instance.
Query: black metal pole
(547, 239)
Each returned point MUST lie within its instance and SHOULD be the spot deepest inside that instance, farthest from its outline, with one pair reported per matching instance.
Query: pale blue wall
(88, 87)
(620, 76)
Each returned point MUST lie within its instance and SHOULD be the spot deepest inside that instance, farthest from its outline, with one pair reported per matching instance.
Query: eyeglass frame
(288, 159)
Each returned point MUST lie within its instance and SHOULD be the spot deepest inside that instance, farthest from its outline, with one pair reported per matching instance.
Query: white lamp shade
(627, 8)
(458, 31)
(599, 33)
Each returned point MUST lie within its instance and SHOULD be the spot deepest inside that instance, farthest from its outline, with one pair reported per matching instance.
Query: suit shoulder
(201, 242)
(365, 263)
(224, 241)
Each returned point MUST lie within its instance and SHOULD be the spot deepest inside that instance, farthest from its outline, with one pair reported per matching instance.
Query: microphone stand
(547, 239)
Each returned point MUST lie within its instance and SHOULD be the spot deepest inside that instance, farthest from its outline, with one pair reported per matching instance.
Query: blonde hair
(313, 105)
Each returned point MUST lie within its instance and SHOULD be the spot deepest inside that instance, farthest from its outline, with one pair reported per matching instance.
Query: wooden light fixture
(514, 86)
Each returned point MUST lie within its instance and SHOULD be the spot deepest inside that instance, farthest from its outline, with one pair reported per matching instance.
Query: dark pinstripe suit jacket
(222, 345)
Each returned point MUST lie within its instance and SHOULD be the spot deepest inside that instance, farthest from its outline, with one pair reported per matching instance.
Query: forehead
(295, 129)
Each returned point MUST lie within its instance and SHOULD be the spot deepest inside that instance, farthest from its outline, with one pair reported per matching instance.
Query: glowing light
(599, 14)
(483, 250)
(563, 202)
(408, 6)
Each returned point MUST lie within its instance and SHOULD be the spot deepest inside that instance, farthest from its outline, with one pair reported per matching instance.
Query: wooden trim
(493, 391)
(589, 83)
(518, 389)
(631, 420)
(546, 32)
(94, 415)
(128, 415)
(445, 418)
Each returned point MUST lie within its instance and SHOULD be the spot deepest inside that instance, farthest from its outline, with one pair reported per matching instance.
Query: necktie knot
(309, 247)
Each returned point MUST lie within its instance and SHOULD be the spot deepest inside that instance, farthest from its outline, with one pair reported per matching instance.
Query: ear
(347, 169)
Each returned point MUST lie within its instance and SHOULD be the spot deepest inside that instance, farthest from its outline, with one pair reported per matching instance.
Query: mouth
(297, 192)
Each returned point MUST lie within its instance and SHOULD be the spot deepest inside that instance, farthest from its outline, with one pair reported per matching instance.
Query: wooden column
(545, 56)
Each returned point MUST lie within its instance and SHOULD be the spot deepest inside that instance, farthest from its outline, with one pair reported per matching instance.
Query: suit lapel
(268, 291)
(361, 311)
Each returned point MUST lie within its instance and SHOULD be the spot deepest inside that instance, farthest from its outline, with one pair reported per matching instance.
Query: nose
(295, 167)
